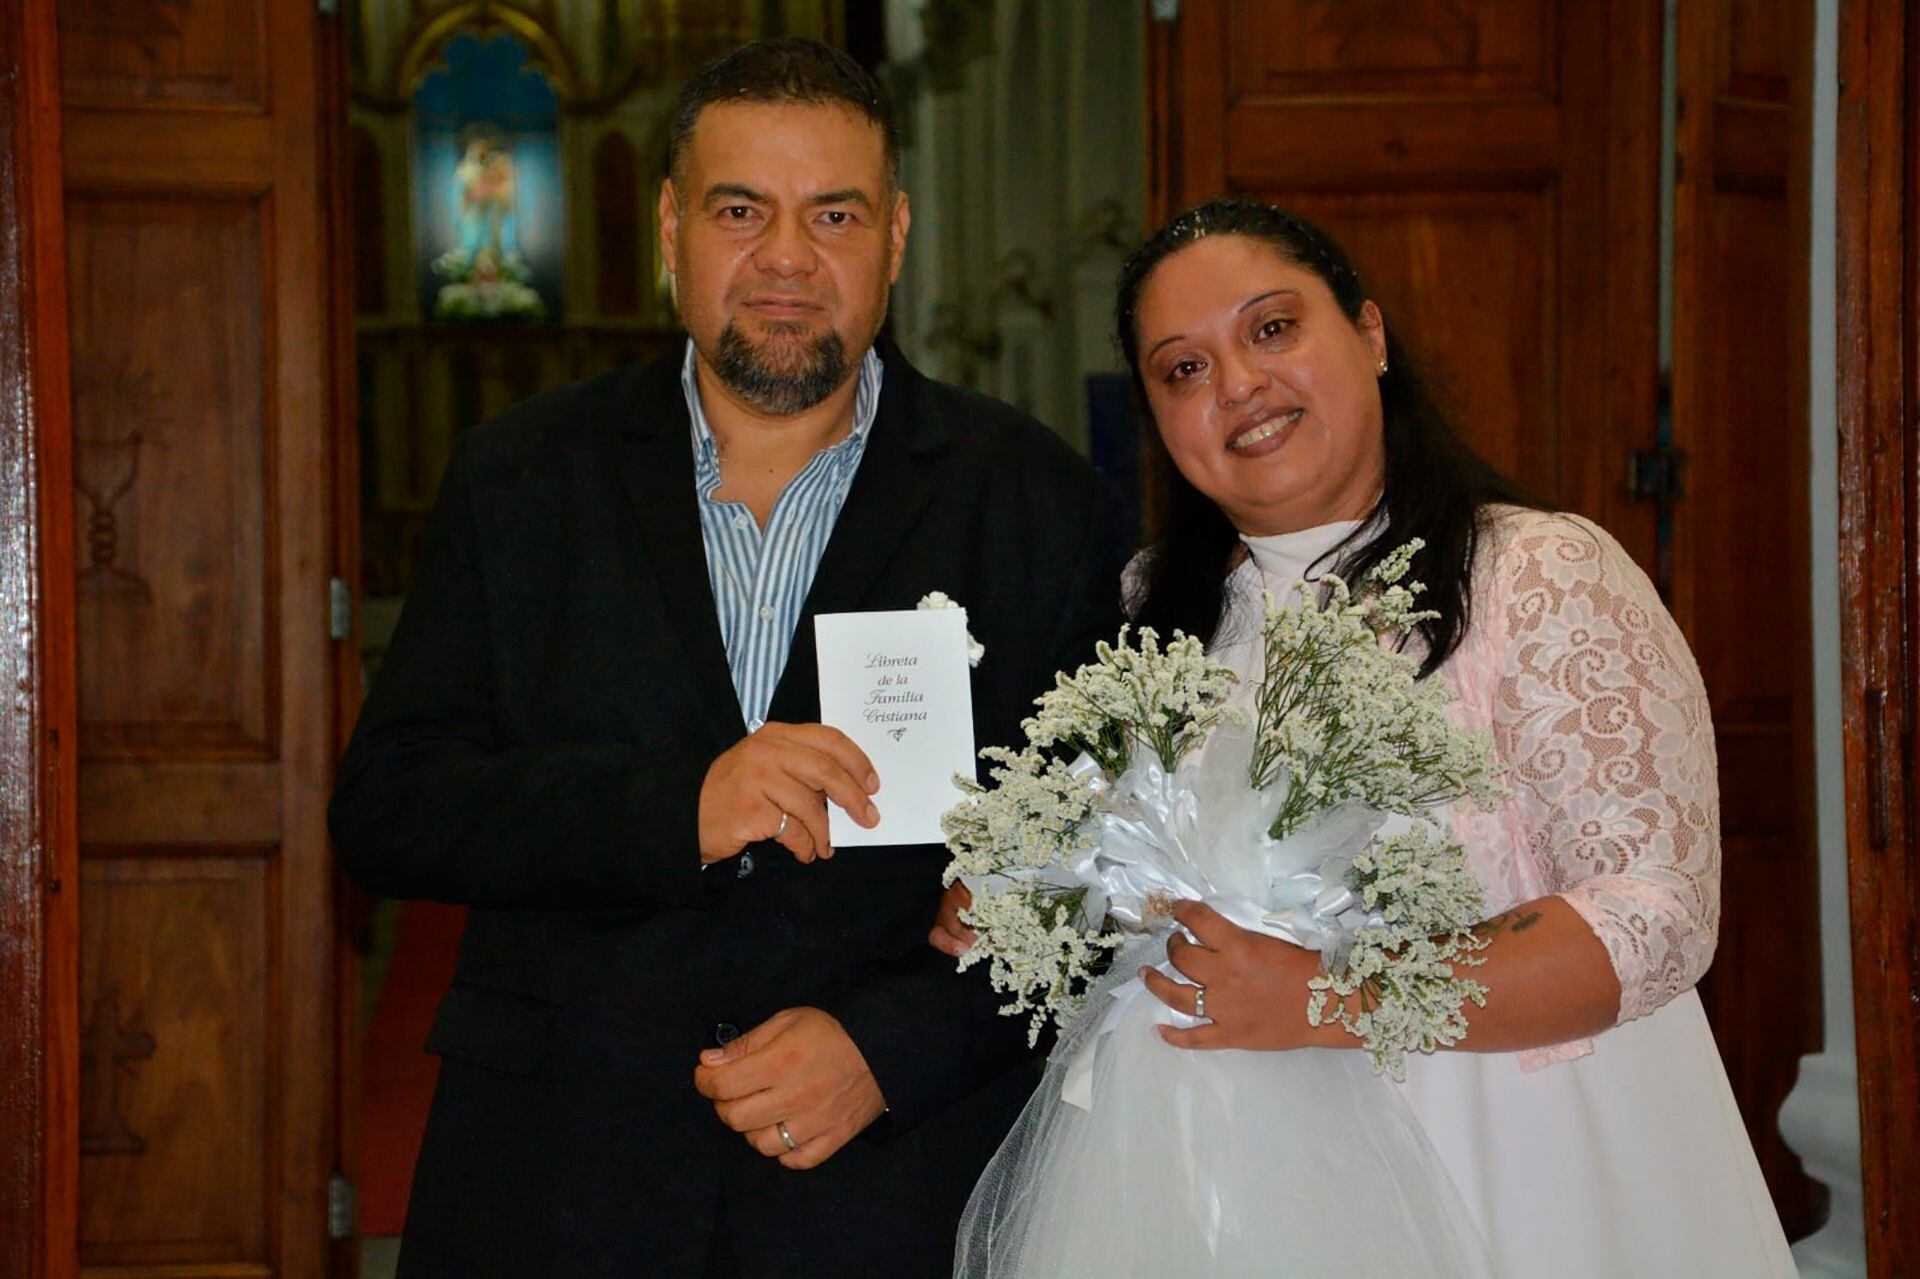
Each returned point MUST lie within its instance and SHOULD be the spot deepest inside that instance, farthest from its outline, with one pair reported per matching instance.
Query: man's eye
(837, 217)
(737, 212)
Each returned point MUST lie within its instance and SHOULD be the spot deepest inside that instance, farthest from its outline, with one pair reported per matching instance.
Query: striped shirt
(760, 577)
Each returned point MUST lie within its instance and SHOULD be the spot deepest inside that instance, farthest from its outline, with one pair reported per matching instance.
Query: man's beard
(777, 386)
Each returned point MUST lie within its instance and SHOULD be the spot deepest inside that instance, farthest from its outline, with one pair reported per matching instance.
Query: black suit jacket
(534, 747)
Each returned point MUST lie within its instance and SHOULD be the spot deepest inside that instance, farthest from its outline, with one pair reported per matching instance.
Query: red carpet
(396, 1079)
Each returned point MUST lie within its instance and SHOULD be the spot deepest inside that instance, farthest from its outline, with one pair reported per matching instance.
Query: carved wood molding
(39, 1180)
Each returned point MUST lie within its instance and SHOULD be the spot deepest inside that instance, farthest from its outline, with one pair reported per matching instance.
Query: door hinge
(343, 1208)
(339, 609)
(1656, 474)
(1166, 10)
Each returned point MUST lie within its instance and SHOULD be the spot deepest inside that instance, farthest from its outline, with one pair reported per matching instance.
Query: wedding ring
(1200, 1002)
(784, 819)
(787, 1136)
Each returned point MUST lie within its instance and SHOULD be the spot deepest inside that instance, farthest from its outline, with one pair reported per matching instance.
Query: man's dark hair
(790, 69)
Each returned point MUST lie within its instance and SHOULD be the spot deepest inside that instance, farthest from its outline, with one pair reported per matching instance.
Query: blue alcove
(488, 213)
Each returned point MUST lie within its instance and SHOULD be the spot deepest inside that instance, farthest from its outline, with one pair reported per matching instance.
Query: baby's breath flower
(1341, 715)
(1163, 698)
(940, 599)
(1025, 822)
(1040, 950)
(1405, 969)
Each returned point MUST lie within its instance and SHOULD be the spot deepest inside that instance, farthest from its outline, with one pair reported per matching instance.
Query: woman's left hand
(1256, 985)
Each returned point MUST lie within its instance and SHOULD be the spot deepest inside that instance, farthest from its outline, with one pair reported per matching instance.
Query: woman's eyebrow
(1270, 293)
(1250, 302)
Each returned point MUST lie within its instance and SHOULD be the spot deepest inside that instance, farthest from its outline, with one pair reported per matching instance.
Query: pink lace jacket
(1598, 711)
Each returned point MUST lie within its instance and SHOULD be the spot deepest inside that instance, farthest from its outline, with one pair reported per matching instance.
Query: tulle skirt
(1294, 1165)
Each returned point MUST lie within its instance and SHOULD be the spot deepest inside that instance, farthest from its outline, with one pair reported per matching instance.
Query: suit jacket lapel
(896, 480)
(656, 466)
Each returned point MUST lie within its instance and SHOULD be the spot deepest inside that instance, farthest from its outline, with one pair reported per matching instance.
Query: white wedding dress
(1623, 1156)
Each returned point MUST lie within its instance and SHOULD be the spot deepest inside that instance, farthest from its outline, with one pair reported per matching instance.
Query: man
(687, 1036)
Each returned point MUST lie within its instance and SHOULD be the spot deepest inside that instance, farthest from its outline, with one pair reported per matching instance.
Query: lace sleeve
(1602, 718)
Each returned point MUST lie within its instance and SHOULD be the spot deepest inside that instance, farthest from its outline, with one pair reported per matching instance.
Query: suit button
(725, 1033)
(746, 866)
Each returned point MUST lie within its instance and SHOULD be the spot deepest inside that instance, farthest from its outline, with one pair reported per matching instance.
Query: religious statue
(486, 277)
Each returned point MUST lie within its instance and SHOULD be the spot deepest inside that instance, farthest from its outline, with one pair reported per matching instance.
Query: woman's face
(1266, 396)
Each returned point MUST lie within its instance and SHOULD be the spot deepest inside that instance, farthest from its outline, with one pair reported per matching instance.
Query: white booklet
(898, 684)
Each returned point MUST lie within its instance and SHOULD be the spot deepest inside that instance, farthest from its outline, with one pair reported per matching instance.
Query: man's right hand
(950, 934)
(791, 769)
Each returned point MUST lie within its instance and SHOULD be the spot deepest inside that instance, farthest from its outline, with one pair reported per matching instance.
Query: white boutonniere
(940, 599)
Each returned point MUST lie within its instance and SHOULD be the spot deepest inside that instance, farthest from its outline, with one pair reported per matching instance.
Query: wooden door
(1493, 168)
(1878, 210)
(202, 463)
(1738, 557)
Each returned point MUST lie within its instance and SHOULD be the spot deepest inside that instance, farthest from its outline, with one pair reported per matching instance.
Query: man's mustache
(780, 292)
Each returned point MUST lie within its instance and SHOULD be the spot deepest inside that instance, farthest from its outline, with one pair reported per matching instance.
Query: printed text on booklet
(897, 683)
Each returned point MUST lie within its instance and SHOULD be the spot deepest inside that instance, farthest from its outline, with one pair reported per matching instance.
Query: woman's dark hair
(1435, 486)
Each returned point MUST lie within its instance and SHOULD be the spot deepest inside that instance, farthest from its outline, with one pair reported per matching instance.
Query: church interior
(1651, 249)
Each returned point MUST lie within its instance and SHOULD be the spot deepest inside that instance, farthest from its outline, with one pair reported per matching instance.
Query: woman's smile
(1265, 432)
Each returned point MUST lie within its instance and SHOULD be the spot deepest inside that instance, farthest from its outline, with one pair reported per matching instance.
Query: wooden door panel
(1445, 255)
(128, 52)
(1492, 166)
(175, 589)
(175, 1033)
(1740, 534)
(203, 442)
(1337, 48)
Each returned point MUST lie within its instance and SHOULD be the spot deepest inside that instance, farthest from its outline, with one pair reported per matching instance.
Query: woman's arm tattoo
(1517, 920)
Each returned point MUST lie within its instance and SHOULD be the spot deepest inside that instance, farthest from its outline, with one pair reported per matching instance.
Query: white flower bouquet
(1281, 831)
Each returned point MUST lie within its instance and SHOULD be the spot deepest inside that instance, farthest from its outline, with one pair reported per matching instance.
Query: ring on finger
(1200, 1002)
(785, 817)
(786, 1136)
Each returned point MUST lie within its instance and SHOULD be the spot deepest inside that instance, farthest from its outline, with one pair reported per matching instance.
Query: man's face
(784, 237)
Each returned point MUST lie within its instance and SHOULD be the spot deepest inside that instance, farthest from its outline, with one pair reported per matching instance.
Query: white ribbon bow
(1200, 834)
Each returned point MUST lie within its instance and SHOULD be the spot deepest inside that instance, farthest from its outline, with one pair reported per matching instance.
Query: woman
(1585, 1120)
